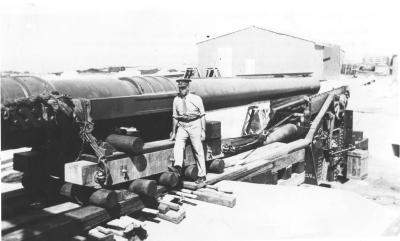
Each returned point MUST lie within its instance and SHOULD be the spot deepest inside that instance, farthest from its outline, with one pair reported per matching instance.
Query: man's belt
(188, 118)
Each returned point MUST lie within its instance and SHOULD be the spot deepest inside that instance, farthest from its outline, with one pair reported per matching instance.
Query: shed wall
(257, 51)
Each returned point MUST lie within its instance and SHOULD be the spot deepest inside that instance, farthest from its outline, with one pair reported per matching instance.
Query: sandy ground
(279, 212)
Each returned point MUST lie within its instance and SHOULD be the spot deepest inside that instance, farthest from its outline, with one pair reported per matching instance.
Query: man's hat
(183, 82)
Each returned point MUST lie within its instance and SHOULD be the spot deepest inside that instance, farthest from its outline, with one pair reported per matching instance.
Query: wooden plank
(211, 196)
(230, 173)
(254, 154)
(288, 160)
(14, 223)
(193, 185)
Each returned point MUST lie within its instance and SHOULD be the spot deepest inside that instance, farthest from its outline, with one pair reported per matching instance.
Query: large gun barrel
(137, 98)
(110, 96)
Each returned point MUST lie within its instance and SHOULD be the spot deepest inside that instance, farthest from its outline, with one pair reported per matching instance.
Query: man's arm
(174, 121)
(203, 120)
(203, 128)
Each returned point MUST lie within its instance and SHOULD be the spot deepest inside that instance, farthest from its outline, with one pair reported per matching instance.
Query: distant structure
(258, 51)
(376, 60)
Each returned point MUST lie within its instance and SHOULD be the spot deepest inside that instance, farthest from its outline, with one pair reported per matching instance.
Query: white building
(255, 50)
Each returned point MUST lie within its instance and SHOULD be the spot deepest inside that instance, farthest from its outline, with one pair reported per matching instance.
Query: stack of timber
(65, 220)
(62, 221)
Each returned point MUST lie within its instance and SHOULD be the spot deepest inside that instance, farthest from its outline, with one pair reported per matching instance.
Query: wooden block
(299, 167)
(80, 172)
(357, 136)
(103, 230)
(28, 160)
(272, 178)
(362, 145)
(357, 164)
(213, 148)
(139, 165)
(216, 198)
(150, 211)
(173, 216)
(213, 130)
(163, 208)
(122, 167)
(287, 172)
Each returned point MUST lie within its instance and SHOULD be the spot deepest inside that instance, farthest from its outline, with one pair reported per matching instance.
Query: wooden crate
(357, 164)
(213, 130)
(363, 144)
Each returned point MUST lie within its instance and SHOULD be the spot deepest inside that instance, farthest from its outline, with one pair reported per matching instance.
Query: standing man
(188, 122)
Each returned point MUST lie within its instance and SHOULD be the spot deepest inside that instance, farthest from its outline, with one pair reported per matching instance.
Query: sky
(49, 36)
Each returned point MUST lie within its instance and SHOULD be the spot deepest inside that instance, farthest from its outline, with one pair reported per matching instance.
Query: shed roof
(255, 27)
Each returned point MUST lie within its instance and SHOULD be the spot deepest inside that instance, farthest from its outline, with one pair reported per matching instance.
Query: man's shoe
(200, 180)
